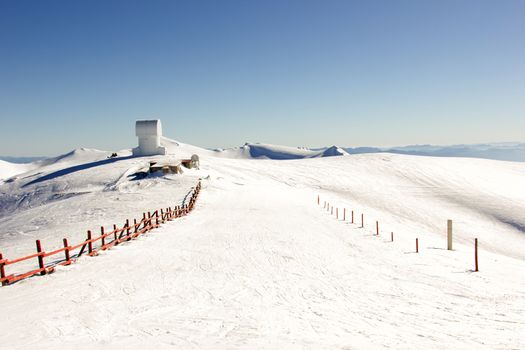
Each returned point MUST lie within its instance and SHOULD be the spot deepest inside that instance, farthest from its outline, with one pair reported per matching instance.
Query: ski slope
(259, 264)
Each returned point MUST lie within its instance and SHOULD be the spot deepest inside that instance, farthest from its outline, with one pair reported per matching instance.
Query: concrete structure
(149, 133)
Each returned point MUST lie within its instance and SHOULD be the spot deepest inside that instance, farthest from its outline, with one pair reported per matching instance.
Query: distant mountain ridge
(508, 151)
(20, 160)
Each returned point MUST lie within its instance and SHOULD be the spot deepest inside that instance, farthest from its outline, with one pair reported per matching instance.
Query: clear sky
(221, 73)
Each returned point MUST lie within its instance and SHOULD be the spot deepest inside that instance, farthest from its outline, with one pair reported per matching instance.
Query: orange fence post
(66, 252)
(40, 257)
(128, 229)
(103, 239)
(2, 270)
(115, 234)
(417, 245)
(476, 254)
(90, 244)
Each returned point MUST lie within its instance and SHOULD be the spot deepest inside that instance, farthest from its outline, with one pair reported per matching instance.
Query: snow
(258, 264)
(8, 170)
(252, 151)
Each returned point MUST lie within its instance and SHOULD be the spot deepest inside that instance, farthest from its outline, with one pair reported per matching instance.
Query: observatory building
(149, 133)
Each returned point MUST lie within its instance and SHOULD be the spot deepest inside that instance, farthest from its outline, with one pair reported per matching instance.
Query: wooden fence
(69, 254)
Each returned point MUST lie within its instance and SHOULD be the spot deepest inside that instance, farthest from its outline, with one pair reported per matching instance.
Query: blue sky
(221, 73)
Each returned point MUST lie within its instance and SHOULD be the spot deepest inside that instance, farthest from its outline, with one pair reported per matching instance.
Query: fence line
(449, 230)
(118, 235)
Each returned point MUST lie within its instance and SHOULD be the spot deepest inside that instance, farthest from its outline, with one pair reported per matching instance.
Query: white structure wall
(149, 133)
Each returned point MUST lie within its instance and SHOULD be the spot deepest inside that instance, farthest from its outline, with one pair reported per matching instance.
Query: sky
(222, 73)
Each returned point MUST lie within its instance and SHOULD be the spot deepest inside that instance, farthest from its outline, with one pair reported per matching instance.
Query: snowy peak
(334, 151)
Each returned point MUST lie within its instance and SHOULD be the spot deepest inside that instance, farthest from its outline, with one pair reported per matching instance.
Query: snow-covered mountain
(259, 264)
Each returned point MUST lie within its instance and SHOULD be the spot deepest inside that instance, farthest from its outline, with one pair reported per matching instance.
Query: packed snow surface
(258, 264)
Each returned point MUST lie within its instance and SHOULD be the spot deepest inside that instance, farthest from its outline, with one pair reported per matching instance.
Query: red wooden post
(161, 214)
(352, 216)
(128, 229)
(40, 257)
(135, 226)
(377, 228)
(156, 218)
(90, 244)
(103, 240)
(476, 254)
(66, 252)
(344, 214)
(115, 234)
(149, 221)
(362, 220)
(391, 236)
(2, 270)
(417, 245)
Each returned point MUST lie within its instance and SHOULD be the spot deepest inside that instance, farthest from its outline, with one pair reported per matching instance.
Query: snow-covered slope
(8, 170)
(69, 194)
(259, 265)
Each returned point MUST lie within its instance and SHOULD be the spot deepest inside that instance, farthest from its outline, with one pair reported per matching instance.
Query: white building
(149, 133)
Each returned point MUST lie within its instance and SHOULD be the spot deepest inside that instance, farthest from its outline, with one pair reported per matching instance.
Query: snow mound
(76, 156)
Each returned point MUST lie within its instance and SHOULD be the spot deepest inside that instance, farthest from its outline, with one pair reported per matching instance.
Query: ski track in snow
(259, 265)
